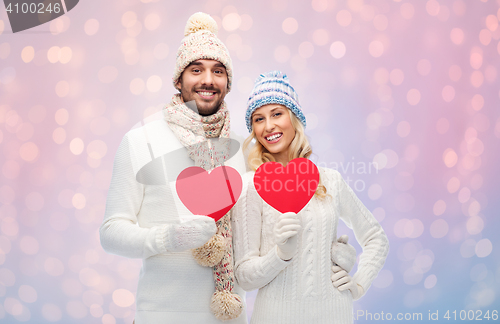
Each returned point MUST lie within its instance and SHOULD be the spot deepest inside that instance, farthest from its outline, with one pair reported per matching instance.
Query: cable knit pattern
(300, 290)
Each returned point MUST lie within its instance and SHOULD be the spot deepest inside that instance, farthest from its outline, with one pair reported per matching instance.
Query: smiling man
(187, 274)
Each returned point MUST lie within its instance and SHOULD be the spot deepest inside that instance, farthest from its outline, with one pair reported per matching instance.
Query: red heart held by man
(212, 194)
(287, 189)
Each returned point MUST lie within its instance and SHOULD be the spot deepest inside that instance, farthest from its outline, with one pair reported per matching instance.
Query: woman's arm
(368, 232)
(252, 269)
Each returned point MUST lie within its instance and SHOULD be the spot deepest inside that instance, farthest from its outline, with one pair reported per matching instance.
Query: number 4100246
(471, 315)
(33, 8)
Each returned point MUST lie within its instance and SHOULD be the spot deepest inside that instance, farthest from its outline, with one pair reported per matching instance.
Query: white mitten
(285, 234)
(343, 253)
(343, 281)
(192, 232)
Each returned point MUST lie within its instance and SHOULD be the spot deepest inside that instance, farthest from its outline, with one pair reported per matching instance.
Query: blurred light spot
(384, 279)
(4, 50)
(423, 261)
(491, 22)
(7, 277)
(477, 102)
(51, 312)
(407, 10)
(414, 298)
(490, 73)
(59, 135)
(53, 54)
(59, 221)
(137, 86)
(432, 7)
(233, 42)
(37, 114)
(396, 76)
(53, 267)
(459, 7)
(231, 21)
(281, 54)
(89, 277)
(92, 256)
(450, 158)
(61, 116)
(453, 185)
(403, 181)
(440, 206)
(410, 277)
(475, 225)
(290, 25)
(10, 226)
(62, 88)
(404, 202)
(413, 97)
(380, 22)
(442, 125)
(28, 151)
(476, 79)
(76, 146)
(79, 201)
(485, 37)
(59, 25)
(123, 297)
(448, 93)
(379, 214)
(7, 195)
(27, 294)
(29, 245)
(25, 131)
(403, 128)
(476, 60)
(108, 319)
(246, 22)
(91, 27)
(344, 18)
(367, 13)
(424, 67)
(76, 309)
(439, 228)
(430, 281)
(337, 49)
(376, 48)
(381, 76)
(160, 51)
(467, 249)
(298, 63)
(154, 83)
(129, 19)
(464, 195)
(478, 272)
(96, 310)
(65, 55)
(455, 73)
(320, 37)
(319, 5)
(7, 75)
(245, 53)
(107, 74)
(483, 248)
(375, 191)
(152, 21)
(27, 54)
(100, 126)
(306, 49)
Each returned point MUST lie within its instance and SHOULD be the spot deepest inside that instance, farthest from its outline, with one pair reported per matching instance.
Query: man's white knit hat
(201, 42)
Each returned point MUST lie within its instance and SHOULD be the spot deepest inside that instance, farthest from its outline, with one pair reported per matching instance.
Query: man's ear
(178, 84)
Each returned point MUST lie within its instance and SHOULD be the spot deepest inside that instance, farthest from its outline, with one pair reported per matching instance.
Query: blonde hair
(299, 148)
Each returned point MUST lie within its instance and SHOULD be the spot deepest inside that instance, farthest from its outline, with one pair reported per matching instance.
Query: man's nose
(208, 78)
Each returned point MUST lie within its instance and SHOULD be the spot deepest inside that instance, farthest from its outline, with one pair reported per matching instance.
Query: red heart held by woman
(212, 194)
(287, 189)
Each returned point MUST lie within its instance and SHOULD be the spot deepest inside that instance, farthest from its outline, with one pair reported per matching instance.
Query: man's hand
(343, 281)
(285, 234)
(192, 232)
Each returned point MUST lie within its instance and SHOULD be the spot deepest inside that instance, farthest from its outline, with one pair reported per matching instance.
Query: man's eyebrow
(194, 63)
(219, 65)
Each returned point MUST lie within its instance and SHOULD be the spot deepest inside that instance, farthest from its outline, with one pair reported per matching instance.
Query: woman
(288, 257)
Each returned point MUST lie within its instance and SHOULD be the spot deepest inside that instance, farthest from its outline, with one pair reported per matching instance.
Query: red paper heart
(287, 189)
(212, 194)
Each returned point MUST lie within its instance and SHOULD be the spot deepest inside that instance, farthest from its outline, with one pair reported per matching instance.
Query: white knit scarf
(195, 131)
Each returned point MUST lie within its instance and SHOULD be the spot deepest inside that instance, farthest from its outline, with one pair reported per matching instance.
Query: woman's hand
(285, 234)
(343, 281)
(343, 254)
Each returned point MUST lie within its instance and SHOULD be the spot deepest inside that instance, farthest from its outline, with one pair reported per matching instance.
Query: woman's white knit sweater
(301, 290)
(173, 287)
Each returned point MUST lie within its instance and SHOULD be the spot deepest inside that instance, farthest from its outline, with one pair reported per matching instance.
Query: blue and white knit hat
(273, 88)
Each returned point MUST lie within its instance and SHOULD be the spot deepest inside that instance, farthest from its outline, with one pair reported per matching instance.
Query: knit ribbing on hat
(201, 42)
(273, 88)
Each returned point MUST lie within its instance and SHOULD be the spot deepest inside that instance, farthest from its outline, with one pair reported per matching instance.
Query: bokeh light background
(402, 97)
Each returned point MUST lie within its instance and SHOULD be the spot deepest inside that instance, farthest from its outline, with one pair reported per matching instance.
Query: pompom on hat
(201, 42)
(273, 88)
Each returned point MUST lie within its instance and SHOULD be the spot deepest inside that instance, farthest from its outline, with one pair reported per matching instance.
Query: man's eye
(219, 72)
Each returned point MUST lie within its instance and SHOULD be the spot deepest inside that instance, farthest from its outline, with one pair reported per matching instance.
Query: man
(181, 255)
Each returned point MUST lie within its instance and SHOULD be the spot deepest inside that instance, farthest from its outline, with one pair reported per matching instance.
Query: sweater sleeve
(119, 232)
(368, 232)
(252, 269)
